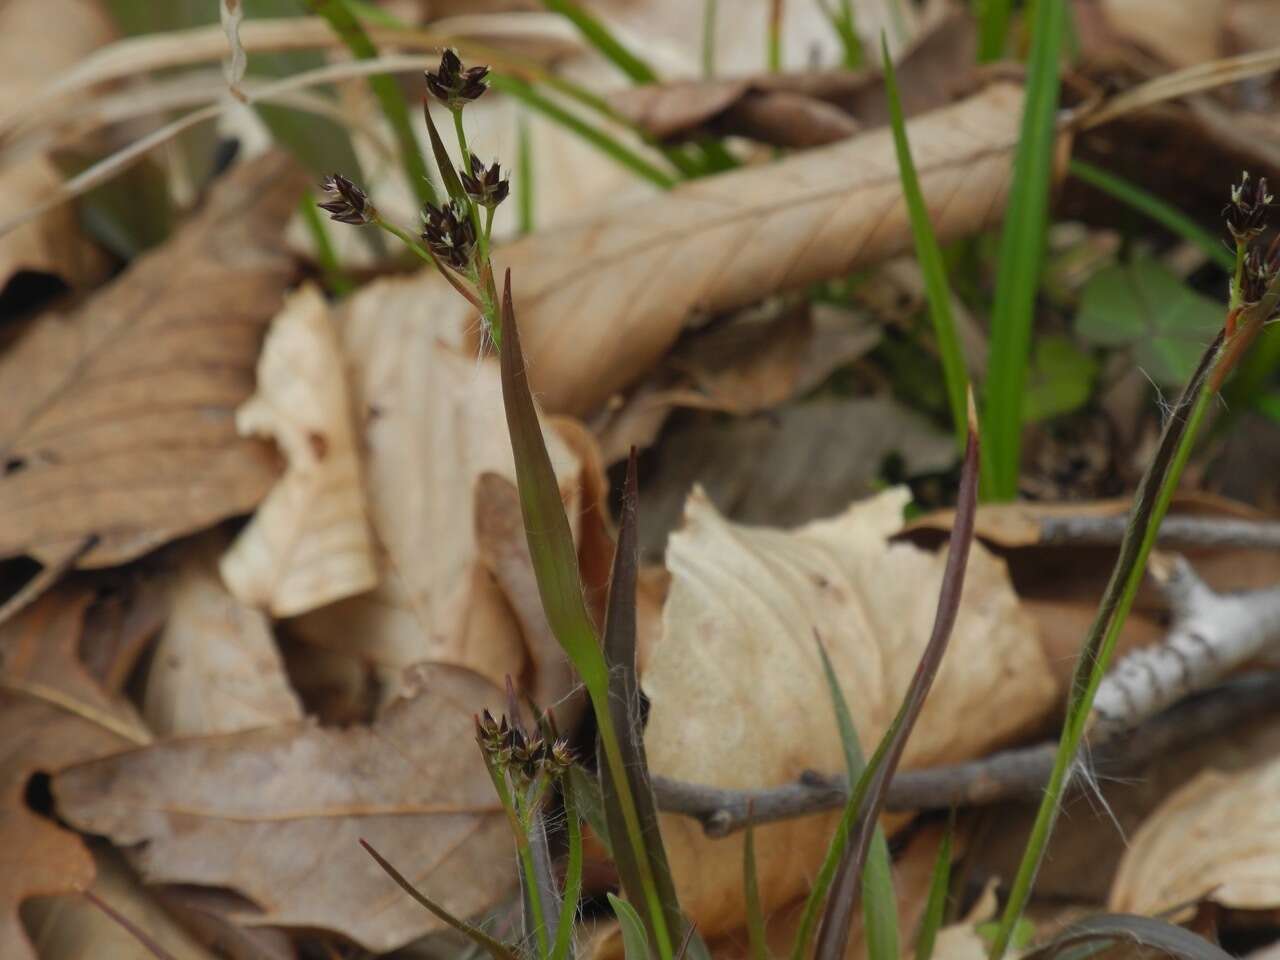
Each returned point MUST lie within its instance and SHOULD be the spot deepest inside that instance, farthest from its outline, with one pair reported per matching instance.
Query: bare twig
(1176, 531)
(1011, 774)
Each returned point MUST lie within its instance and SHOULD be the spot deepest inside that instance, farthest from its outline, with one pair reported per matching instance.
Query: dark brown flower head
(345, 202)
(487, 187)
(453, 85)
(1246, 214)
(527, 753)
(448, 233)
(1260, 269)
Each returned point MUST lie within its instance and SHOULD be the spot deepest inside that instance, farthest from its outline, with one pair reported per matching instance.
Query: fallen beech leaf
(216, 668)
(736, 689)
(31, 52)
(722, 242)
(275, 814)
(433, 424)
(309, 543)
(70, 927)
(1217, 838)
(813, 107)
(820, 454)
(119, 432)
(52, 714)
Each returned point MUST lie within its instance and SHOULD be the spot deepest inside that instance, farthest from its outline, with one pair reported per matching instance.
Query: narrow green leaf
(555, 566)
(845, 25)
(1146, 933)
(937, 289)
(773, 36)
(993, 29)
(1151, 502)
(390, 99)
(337, 281)
(602, 141)
(624, 708)
(936, 906)
(635, 941)
(759, 944)
(524, 176)
(495, 948)
(605, 43)
(444, 163)
(572, 872)
(1022, 243)
(709, 10)
(833, 930)
(1169, 217)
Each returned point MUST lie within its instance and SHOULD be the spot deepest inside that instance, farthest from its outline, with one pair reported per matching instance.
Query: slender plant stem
(424, 254)
(572, 875)
(338, 282)
(524, 170)
(708, 39)
(1151, 503)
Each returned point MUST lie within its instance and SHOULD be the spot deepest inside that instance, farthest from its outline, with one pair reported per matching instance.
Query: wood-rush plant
(529, 765)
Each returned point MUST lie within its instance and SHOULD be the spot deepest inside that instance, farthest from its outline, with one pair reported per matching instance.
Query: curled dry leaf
(216, 668)
(1217, 838)
(120, 431)
(275, 814)
(433, 423)
(52, 714)
(30, 52)
(737, 691)
(309, 542)
(722, 242)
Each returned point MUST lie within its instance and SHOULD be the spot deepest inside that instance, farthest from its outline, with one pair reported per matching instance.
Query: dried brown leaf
(1181, 34)
(52, 714)
(604, 299)
(433, 423)
(309, 542)
(120, 430)
(216, 668)
(1217, 838)
(276, 814)
(735, 683)
(29, 52)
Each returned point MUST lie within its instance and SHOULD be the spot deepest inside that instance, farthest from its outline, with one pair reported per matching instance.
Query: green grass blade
(759, 944)
(773, 38)
(586, 796)
(833, 931)
(993, 29)
(606, 144)
(936, 906)
(390, 99)
(1151, 502)
(880, 903)
(572, 873)
(524, 176)
(845, 25)
(1022, 244)
(1169, 217)
(937, 289)
(605, 43)
(635, 941)
(337, 281)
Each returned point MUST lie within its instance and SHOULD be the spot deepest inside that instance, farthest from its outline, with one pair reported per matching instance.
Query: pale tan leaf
(1217, 838)
(120, 421)
(309, 542)
(737, 691)
(433, 423)
(601, 300)
(52, 714)
(276, 814)
(29, 52)
(70, 927)
(1182, 34)
(216, 668)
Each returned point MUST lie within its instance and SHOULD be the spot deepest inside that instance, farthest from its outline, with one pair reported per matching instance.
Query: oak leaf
(120, 434)
(276, 814)
(309, 542)
(736, 685)
(52, 714)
